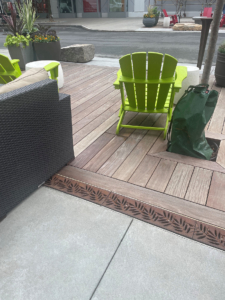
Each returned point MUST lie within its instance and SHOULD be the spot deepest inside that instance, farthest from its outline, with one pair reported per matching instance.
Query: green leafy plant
(16, 40)
(14, 25)
(44, 31)
(28, 14)
(45, 39)
(152, 12)
(222, 48)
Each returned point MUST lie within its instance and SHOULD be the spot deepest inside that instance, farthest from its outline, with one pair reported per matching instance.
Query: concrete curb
(168, 30)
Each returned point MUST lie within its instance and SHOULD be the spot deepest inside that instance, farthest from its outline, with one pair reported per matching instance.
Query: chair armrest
(15, 63)
(117, 82)
(53, 69)
(181, 74)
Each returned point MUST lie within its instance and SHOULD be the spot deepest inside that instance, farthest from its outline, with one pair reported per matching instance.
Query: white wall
(139, 5)
(54, 6)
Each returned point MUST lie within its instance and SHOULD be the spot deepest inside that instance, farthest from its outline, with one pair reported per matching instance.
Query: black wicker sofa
(35, 140)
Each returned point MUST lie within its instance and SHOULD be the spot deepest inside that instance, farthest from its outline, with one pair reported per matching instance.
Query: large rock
(78, 53)
(187, 27)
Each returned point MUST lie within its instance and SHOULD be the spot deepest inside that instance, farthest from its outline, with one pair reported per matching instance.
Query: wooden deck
(135, 164)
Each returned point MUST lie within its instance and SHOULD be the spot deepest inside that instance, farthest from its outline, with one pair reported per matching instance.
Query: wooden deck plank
(127, 168)
(221, 154)
(78, 136)
(93, 135)
(94, 97)
(144, 170)
(221, 99)
(205, 164)
(173, 204)
(179, 181)
(199, 186)
(90, 82)
(216, 198)
(159, 146)
(161, 176)
(84, 74)
(80, 98)
(217, 122)
(127, 118)
(104, 154)
(111, 165)
(82, 159)
(93, 111)
(79, 80)
(83, 77)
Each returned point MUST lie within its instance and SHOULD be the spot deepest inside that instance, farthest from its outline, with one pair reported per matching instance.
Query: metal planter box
(25, 55)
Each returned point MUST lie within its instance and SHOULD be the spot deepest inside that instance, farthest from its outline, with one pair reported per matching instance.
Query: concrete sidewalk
(106, 24)
(58, 247)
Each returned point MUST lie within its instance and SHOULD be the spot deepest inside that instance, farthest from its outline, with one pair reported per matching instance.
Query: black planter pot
(25, 55)
(48, 51)
(149, 22)
(220, 69)
(156, 20)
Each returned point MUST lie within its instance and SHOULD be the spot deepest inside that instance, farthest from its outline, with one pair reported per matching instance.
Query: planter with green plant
(20, 47)
(220, 66)
(46, 43)
(151, 18)
(19, 42)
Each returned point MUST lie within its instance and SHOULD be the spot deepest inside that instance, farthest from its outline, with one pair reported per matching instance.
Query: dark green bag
(192, 113)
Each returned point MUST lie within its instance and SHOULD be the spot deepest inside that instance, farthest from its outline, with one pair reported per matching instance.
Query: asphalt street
(184, 46)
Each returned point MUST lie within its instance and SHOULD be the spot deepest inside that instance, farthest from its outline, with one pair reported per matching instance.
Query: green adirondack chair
(154, 94)
(10, 69)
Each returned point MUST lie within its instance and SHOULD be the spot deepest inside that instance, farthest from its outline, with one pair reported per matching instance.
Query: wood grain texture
(144, 170)
(127, 168)
(179, 181)
(174, 204)
(217, 122)
(104, 154)
(221, 154)
(111, 165)
(83, 103)
(91, 113)
(161, 175)
(215, 136)
(216, 198)
(82, 159)
(221, 99)
(93, 135)
(159, 146)
(199, 186)
(201, 163)
(81, 134)
(127, 118)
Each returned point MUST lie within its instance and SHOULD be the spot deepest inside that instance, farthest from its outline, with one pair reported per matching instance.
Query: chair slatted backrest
(207, 12)
(165, 13)
(6, 68)
(140, 93)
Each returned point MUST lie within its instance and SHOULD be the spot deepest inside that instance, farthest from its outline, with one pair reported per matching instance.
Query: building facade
(121, 8)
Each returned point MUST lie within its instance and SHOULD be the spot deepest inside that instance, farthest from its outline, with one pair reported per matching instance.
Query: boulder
(187, 27)
(78, 53)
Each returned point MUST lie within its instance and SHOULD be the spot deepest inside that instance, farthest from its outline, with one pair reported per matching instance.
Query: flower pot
(220, 69)
(48, 51)
(25, 55)
(149, 22)
(156, 20)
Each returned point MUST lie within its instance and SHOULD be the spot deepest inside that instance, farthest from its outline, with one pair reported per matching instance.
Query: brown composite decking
(132, 172)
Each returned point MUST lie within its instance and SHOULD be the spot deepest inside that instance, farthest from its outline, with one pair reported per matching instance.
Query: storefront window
(65, 6)
(116, 5)
(90, 5)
